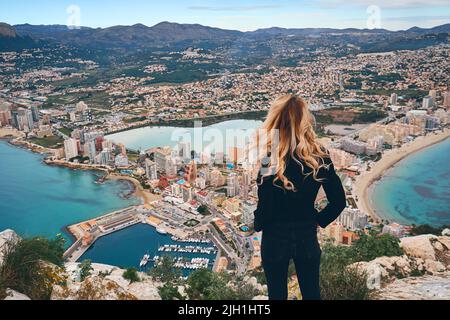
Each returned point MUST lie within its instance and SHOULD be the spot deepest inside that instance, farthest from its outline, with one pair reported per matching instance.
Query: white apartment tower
(393, 99)
(150, 170)
(71, 148)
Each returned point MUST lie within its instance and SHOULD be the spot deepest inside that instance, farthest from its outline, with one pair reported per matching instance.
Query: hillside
(167, 33)
(7, 31)
(11, 41)
(137, 35)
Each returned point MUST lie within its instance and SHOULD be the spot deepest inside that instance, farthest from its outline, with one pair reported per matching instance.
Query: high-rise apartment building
(150, 170)
(184, 150)
(5, 117)
(70, 148)
(427, 102)
(447, 99)
(393, 99)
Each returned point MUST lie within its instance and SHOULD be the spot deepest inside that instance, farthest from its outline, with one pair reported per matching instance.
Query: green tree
(369, 247)
(25, 266)
(245, 292)
(165, 271)
(259, 274)
(169, 292)
(203, 210)
(131, 275)
(199, 283)
(207, 285)
(2, 289)
(427, 229)
(337, 280)
(85, 269)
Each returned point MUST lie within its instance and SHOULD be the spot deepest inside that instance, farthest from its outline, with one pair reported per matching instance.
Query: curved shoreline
(388, 160)
(16, 139)
(139, 191)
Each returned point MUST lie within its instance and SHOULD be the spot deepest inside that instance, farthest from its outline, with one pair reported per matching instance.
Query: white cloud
(234, 8)
(384, 3)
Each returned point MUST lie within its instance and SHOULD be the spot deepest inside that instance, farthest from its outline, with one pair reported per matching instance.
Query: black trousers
(282, 243)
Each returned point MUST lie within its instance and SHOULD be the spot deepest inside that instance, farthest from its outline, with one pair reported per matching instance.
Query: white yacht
(144, 261)
(161, 231)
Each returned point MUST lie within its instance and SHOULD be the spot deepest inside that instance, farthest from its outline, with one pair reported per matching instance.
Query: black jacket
(279, 205)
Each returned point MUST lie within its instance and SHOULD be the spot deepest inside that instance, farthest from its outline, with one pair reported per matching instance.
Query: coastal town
(371, 109)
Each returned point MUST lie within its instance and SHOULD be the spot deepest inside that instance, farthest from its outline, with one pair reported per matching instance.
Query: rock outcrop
(14, 295)
(10, 237)
(104, 283)
(252, 281)
(419, 246)
(425, 255)
(383, 270)
(7, 237)
(433, 249)
(428, 287)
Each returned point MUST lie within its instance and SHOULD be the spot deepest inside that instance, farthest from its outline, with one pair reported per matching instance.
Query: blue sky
(233, 14)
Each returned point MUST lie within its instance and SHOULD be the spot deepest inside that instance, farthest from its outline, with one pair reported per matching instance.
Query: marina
(192, 240)
(190, 249)
(139, 246)
(179, 262)
(194, 264)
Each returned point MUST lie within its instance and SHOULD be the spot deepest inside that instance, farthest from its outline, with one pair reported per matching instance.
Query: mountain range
(135, 35)
(166, 33)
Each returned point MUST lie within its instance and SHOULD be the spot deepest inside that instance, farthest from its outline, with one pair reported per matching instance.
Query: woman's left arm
(335, 194)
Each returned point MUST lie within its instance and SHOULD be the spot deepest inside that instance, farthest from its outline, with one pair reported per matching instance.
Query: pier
(87, 232)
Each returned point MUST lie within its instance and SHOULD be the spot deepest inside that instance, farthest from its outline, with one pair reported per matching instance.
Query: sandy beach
(390, 158)
(139, 191)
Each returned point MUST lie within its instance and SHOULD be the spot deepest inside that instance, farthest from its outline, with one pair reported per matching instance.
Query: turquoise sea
(417, 189)
(36, 199)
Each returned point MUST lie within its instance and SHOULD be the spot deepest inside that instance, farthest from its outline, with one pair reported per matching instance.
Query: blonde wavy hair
(293, 124)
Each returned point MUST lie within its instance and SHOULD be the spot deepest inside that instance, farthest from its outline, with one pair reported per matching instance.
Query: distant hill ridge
(166, 26)
(166, 33)
(135, 35)
(7, 31)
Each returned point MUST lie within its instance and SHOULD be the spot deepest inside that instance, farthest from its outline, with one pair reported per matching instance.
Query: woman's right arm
(264, 202)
